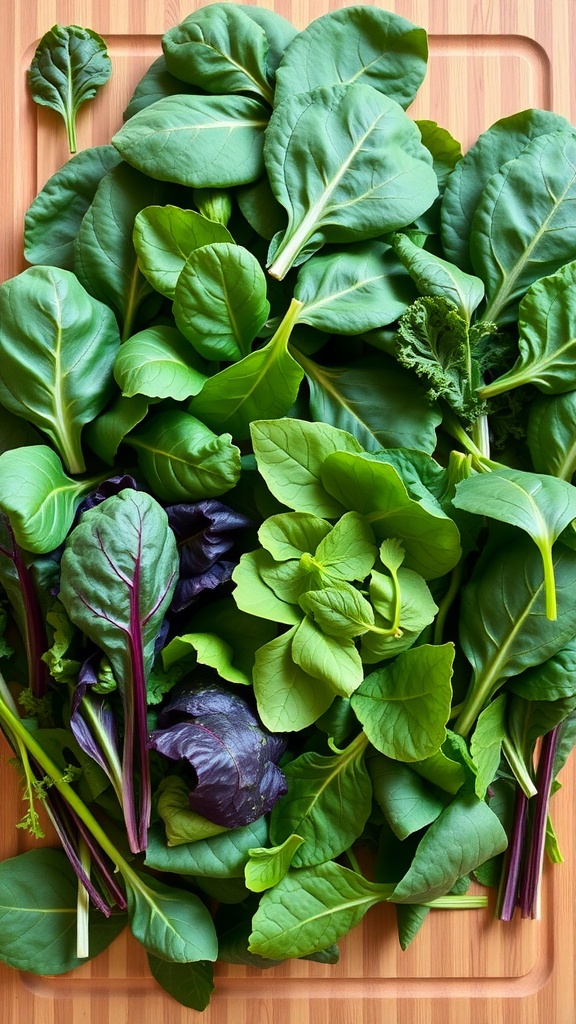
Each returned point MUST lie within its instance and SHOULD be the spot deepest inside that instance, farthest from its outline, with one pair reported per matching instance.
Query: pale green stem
(83, 905)
(519, 769)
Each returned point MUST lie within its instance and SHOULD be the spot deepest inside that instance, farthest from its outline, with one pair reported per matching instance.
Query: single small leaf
(254, 596)
(338, 611)
(486, 743)
(170, 923)
(288, 698)
(334, 661)
(551, 435)
(69, 66)
(267, 865)
(159, 363)
(408, 804)
(191, 984)
(291, 534)
(106, 433)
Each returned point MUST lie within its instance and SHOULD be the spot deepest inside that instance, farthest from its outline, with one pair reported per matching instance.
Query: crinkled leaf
(159, 363)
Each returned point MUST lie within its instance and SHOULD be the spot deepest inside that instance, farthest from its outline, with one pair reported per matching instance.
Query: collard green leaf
(355, 290)
(220, 49)
(183, 460)
(56, 362)
(288, 698)
(364, 483)
(502, 142)
(68, 67)
(541, 505)
(172, 924)
(53, 218)
(191, 984)
(38, 497)
(38, 931)
(164, 238)
(551, 435)
(290, 454)
(267, 865)
(220, 301)
(404, 706)
(360, 136)
(403, 796)
(321, 791)
(359, 44)
(547, 338)
(511, 249)
(437, 277)
(158, 362)
(376, 401)
(466, 834)
(203, 141)
(220, 856)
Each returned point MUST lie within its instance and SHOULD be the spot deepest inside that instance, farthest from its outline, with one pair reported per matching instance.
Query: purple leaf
(233, 758)
(205, 531)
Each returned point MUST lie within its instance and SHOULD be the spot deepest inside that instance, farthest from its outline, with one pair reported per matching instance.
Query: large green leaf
(220, 301)
(158, 362)
(290, 454)
(359, 44)
(364, 145)
(377, 401)
(53, 218)
(220, 49)
(404, 706)
(56, 361)
(374, 488)
(525, 226)
(164, 238)
(552, 680)
(172, 924)
(502, 142)
(38, 921)
(38, 497)
(551, 434)
(183, 460)
(220, 856)
(321, 790)
(203, 141)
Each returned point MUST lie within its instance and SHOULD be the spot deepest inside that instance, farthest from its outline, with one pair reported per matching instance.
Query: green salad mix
(287, 554)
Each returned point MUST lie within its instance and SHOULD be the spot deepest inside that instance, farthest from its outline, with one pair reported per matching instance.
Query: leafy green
(158, 362)
(165, 237)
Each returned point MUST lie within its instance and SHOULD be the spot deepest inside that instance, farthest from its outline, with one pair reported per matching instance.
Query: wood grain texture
(488, 59)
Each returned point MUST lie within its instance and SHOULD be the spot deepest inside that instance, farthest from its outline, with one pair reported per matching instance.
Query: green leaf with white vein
(170, 923)
(202, 141)
(404, 706)
(165, 237)
(435, 276)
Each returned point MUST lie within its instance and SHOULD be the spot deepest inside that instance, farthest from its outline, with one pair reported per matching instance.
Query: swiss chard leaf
(69, 66)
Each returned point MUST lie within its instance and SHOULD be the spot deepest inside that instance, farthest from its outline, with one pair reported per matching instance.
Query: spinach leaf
(182, 459)
(220, 301)
(16, 432)
(53, 218)
(38, 931)
(203, 141)
(486, 743)
(408, 803)
(165, 236)
(171, 924)
(359, 44)
(552, 680)
(68, 67)
(220, 856)
(56, 363)
(288, 698)
(360, 136)
(551, 435)
(106, 433)
(268, 865)
(191, 984)
(159, 363)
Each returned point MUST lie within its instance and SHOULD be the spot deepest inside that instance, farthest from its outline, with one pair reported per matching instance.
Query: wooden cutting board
(488, 59)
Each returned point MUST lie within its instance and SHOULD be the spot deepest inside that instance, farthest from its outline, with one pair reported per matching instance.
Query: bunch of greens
(288, 420)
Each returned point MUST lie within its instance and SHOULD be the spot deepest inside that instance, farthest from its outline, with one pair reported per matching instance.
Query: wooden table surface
(487, 59)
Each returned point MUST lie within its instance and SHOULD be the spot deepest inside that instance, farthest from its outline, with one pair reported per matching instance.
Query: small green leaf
(336, 662)
(172, 924)
(486, 743)
(165, 237)
(267, 865)
(288, 698)
(191, 984)
(291, 534)
(254, 596)
(159, 363)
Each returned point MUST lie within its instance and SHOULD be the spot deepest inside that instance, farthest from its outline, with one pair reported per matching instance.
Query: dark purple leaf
(233, 758)
(205, 531)
(189, 589)
(106, 489)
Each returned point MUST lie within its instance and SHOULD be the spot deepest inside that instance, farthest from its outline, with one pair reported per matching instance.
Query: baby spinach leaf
(106, 433)
(38, 497)
(279, 33)
(465, 835)
(182, 825)
(267, 865)
(68, 67)
(360, 135)
(551, 435)
(446, 153)
(408, 804)
(288, 698)
(540, 505)
(220, 856)
(404, 706)
(191, 984)
(486, 743)
(359, 44)
(552, 680)
(503, 626)
(547, 338)
(165, 236)
(291, 534)
(264, 383)
(435, 276)
(502, 142)
(172, 924)
(338, 611)
(375, 489)
(222, 50)
(354, 290)
(290, 454)
(53, 218)
(335, 661)
(56, 363)
(510, 250)
(159, 363)
(182, 459)
(320, 789)
(417, 610)
(203, 141)
(38, 931)
(254, 596)
(220, 301)
(259, 206)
